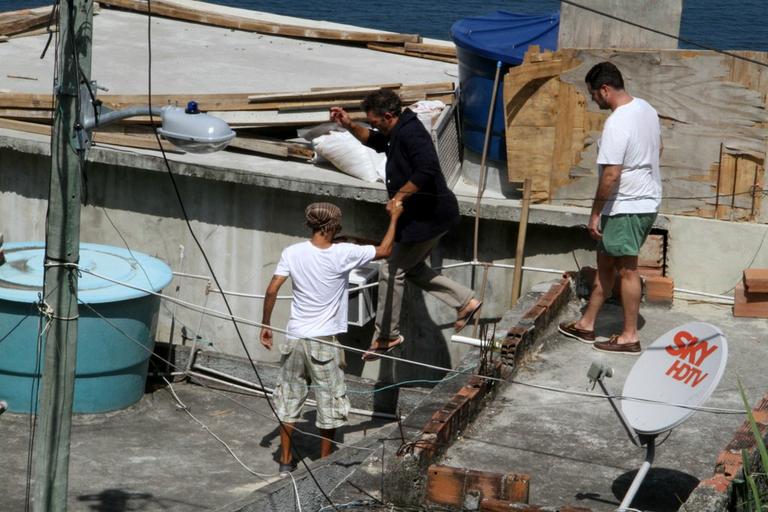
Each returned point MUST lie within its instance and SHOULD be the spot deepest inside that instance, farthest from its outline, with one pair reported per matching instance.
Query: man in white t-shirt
(625, 206)
(319, 270)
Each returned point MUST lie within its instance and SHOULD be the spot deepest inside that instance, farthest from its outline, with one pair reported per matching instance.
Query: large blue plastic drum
(115, 329)
(481, 42)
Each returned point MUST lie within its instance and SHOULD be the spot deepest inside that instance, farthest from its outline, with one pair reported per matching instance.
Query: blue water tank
(112, 352)
(481, 42)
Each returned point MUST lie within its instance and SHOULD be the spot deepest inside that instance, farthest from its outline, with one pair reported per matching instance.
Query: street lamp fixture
(186, 128)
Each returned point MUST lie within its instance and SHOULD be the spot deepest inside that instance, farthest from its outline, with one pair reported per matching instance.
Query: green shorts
(624, 234)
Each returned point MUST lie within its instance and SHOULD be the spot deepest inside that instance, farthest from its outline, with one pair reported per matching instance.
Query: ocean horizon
(738, 25)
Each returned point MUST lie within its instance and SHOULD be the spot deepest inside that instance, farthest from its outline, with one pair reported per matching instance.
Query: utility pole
(52, 441)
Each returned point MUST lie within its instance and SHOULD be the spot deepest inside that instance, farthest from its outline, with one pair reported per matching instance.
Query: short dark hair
(381, 102)
(602, 74)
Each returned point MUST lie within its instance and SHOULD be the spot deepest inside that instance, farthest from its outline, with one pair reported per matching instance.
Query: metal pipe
(255, 388)
(650, 451)
(192, 276)
(117, 115)
(704, 294)
(484, 156)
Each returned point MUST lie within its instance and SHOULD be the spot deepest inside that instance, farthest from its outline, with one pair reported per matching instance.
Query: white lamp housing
(192, 131)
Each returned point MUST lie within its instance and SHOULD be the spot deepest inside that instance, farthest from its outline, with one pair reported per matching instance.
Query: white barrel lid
(21, 277)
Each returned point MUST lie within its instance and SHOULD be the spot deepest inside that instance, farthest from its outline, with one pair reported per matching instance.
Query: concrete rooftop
(575, 449)
(155, 457)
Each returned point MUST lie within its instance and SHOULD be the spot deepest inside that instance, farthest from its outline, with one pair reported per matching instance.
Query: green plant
(749, 495)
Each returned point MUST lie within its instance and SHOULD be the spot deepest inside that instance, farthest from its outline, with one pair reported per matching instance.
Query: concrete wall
(244, 227)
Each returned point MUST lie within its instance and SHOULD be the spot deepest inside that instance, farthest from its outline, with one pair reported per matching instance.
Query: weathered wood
(169, 10)
(580, 28)
(434, 49)
(340, 93)
(703, 99)
(17, 22)
(400, 50)
(273, 147)
(116, 139)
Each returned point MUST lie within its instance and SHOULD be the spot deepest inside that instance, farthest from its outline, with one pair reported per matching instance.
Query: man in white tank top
(625, 206)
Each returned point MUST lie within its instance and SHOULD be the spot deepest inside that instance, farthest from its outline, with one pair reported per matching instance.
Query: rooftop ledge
(295, 177)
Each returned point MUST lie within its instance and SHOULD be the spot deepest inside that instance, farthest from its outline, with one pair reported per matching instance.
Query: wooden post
(51, 444)
(517, 280)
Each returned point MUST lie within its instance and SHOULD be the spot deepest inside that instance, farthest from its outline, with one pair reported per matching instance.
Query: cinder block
(756, 280)
(659, 289)
(749, 305)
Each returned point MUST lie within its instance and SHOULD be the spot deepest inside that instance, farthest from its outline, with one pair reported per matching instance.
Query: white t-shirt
(320, 279)
(632, 138)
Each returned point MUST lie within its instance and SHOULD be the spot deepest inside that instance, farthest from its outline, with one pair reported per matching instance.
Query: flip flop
(467, 318)
(372, 354)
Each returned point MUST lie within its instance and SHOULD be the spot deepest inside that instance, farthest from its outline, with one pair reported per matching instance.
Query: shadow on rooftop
(118, 500)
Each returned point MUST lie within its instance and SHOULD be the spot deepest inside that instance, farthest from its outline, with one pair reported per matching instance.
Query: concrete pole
(51, 446)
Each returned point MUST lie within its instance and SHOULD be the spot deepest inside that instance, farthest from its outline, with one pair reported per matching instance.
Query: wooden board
(117, 139)
(704, 100)
(169, 10)
(273, 147)
(16, 22)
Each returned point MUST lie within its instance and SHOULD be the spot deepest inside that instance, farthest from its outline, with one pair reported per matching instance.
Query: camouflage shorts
(308, 363)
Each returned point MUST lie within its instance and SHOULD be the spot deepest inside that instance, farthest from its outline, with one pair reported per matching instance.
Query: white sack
(350, 156)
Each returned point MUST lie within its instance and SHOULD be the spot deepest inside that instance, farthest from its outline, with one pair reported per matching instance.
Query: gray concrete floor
(575, 449)
(155, 457)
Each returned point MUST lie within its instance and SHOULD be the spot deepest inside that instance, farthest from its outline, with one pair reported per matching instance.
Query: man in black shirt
(413, 178)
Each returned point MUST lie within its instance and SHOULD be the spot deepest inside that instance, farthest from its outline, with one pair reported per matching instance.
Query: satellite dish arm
(633, 435)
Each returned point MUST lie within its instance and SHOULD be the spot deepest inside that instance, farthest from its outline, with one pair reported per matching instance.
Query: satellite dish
(683, 366)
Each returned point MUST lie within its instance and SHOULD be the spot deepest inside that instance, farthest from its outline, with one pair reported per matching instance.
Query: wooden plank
(395, 85)
(434, 49)
(273, 147)
(400, 50)
(169, 10)
(10, 25)
(313, 95)
(21, 114)
(117, 139)
(22, 126)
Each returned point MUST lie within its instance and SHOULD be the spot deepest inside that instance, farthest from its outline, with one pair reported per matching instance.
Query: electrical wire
(246, 321)
(662, 33)
(295, 451)
(209, 388)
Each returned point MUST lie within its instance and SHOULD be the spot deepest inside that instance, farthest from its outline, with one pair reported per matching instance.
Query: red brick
(756, 280)
(516, 488)
(750, 305)
(719, 483)
(487, 483)
(659, 289)
(647, 272)
(445, 485)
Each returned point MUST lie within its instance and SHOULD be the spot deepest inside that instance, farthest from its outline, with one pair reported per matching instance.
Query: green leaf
(755, 430)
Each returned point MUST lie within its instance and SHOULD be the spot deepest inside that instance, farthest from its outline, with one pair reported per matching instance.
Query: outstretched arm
(341, 117)
(384, 249)
(269, 305)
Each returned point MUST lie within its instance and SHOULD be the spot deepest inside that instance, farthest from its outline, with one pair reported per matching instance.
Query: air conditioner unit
(362, 303)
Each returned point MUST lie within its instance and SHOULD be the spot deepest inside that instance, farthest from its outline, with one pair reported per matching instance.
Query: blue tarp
(505, 36)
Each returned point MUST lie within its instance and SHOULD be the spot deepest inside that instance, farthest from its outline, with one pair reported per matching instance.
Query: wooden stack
(751, 295)
(25, 22)
(261, 120)
(208, 14)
